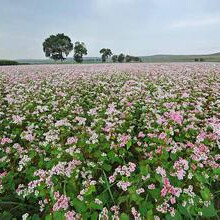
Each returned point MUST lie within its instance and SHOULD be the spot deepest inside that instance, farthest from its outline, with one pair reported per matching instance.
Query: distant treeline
(57, 47)
(199, 60)
(8, 62)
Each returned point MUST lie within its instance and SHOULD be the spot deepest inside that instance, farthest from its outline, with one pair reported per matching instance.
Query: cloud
(198, 22)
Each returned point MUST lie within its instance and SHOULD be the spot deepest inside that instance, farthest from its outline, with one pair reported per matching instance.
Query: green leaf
(79, 205)
(94, 216)
(35, 217)
(129, 144)
(122, 199)
(96, 206)
(217, 171)
(90, 190)
(58, 216)
(206, 195)
(48, 217)
(106, 167)
(209, 211)
(155, 193)
(177, 216)
(150, 215)
(201, 178)
(124, 216)
(6, 215)
(143, 207)
(183, 211)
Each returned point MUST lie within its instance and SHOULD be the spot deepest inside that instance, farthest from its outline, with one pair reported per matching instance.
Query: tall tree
(128, 59)
(121, 58)
(105, 53)
(79, 51)
(114, 58)
(57, 46)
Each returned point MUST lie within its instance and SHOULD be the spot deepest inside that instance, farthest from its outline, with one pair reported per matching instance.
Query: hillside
(181, 58)
(148, 59)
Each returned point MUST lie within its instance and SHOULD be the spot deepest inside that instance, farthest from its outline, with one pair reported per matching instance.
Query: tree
(105, 53)
(202, 60)
(57, 46)
(114, 58)
(79, 51)
(121, 58)
(128, 59)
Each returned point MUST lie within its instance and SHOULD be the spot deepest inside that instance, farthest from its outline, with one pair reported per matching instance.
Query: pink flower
(139, 191)
(172, 200)
(124, 139)
(72, 140)
(176, 117)
(162, 136)
(17, 119)
(62, 202)
(123, 185)
(151, 135)
(6, 140)
(151, 186)
(129, 104)
(141, 135)
(169, 189)
(161, 171)
(201, 136)
(181, 166)
(70, 215)
(112, 179)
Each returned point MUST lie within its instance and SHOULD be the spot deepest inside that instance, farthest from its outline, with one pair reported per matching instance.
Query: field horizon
(157, 58)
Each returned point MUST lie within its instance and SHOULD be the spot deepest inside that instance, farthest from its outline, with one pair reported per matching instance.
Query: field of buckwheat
(111, 141)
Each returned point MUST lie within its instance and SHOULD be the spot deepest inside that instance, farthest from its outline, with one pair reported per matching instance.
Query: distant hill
(215, 57)
(182, 58)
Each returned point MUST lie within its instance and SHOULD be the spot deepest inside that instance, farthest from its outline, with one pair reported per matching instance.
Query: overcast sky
(136, 27)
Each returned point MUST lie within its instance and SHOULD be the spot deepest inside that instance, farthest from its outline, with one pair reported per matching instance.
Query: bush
(8, 62)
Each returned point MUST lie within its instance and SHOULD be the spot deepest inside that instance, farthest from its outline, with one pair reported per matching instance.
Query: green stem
(108, 187)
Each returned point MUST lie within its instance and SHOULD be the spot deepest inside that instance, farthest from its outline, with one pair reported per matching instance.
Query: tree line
(58, 47)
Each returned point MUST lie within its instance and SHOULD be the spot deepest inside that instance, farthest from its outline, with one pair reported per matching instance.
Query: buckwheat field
(112, 141)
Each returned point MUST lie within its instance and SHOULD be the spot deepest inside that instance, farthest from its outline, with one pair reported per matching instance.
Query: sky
(135, 27)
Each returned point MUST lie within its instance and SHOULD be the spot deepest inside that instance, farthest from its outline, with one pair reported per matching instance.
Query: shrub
(8, 62)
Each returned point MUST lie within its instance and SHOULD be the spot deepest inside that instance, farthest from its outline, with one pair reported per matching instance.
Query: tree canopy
(57, 46)
(121, 58)
(106, 52)
(79, 51)
(114, 58)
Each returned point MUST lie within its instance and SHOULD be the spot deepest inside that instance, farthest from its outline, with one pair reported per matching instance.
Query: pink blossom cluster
(169, 189)
(72, 140)
(65, 168)
(123, 171)
(181, 166)
(62, 202)
(124, 139)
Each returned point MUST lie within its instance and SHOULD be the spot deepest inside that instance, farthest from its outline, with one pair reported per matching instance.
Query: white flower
(24, 216)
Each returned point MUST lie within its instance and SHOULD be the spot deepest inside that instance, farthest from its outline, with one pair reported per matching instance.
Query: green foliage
(121, 58)
(129, 58)
(57, 46)
(114, 58)
(106, 52)
(79, 51)
(8, 62)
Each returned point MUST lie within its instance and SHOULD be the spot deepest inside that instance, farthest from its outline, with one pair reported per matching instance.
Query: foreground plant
(136, 141)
